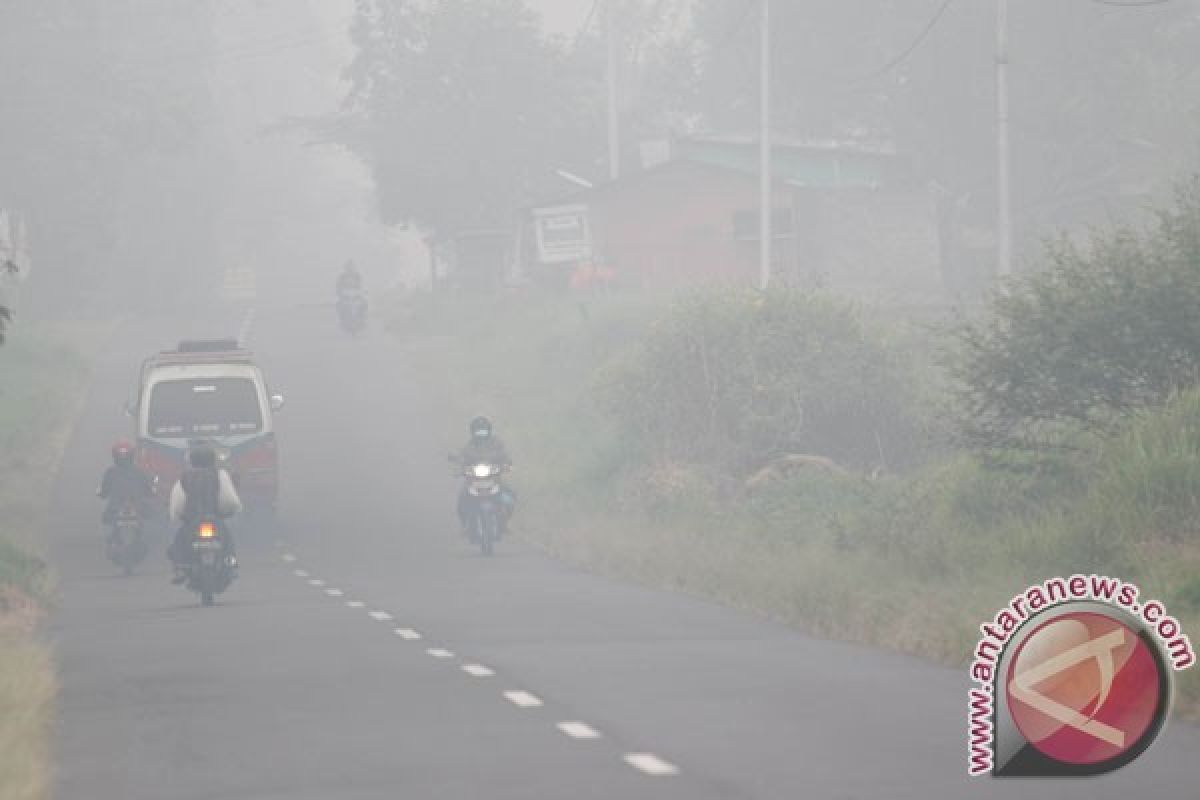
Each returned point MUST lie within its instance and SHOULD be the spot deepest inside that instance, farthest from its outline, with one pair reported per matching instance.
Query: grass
(41, 391)
(913, 562)
(27, 691)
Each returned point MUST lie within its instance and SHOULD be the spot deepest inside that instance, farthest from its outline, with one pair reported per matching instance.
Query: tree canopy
(463, 109)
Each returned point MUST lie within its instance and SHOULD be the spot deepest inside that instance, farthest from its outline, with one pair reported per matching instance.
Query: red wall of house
(676, 224)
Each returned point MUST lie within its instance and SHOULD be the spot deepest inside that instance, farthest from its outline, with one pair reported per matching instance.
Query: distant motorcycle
(488, 504)
(126, 544)
(213, 567)
(352, 311)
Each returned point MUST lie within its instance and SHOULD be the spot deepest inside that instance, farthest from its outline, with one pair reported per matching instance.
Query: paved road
(308, 679)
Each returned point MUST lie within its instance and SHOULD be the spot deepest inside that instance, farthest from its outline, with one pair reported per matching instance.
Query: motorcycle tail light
(207, 530)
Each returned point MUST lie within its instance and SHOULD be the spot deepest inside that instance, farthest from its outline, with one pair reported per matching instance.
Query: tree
(463, 110)
(107, 146)
(1100, 333)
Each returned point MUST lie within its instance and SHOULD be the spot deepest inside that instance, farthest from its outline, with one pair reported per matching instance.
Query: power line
(918, 41)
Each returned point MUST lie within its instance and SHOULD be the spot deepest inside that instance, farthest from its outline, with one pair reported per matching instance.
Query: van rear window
(204, 407)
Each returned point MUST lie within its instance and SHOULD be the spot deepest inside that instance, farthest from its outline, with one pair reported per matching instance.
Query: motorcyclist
(349, 281)
(351, 304)
(203, 490)
(123, 483)
(483, 447)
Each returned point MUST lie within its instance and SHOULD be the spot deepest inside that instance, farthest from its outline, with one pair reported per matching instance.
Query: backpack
(201, 490)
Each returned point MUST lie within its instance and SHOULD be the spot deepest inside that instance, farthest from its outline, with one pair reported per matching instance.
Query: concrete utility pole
(1003, 159)
(764, 206)
(614, 131)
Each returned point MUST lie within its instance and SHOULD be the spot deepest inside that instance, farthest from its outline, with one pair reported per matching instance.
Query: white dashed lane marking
(579, 730)
(651, 764)
(477, 670)
(646, 763)
(523, 699)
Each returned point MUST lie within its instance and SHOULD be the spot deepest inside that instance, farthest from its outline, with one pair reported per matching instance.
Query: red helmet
(122, 452)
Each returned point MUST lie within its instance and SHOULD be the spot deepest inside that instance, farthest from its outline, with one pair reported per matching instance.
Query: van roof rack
(208, 346)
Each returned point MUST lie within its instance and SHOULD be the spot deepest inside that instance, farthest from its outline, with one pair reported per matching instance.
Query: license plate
(206, 545)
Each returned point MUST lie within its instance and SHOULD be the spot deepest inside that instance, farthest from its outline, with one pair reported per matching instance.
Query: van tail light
(207, 530)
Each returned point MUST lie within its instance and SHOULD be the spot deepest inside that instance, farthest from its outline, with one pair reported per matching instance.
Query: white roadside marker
(477, 670)
(334, 592)
(579, 730)
(407, 633)
(355, 604)
(381, 616)
(288, 557)
(651, 764)
(522, 699)
(438, 652)
(300, 573)
(316, 582)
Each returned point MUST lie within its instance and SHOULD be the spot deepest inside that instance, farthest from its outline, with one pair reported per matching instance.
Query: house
(848, 218)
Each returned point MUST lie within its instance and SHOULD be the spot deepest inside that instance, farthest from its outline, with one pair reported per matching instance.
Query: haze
(585, 446)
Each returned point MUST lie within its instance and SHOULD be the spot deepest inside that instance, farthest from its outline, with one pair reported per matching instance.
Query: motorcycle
(212, 568)
(488, 504)
(126, 544)
(352, 312)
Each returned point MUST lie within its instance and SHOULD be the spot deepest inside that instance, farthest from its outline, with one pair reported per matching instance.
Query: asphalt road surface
(367, 652)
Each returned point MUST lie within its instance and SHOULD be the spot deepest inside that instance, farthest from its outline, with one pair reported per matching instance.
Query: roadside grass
(27, 689)
(43, 377)
(912, 562)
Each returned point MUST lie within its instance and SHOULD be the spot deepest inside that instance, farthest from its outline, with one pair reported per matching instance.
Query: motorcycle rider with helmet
(203, 490)
(350, 280)
(123, 483)
(483, 447)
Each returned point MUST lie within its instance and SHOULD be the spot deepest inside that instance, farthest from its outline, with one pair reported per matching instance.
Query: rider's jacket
(349, 283)
(203, 492)
(487, 451)
(123, 483)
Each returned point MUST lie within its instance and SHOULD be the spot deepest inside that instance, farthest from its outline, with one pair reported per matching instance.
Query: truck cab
(211, 391)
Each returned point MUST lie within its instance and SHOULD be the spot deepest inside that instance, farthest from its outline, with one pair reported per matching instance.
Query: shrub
(1101, 332)
(735, 379)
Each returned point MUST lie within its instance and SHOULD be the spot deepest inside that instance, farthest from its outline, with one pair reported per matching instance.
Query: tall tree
(463, 109)
(106, 145)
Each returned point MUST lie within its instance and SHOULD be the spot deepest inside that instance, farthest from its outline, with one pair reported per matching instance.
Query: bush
(735, 379)
(1102, 332)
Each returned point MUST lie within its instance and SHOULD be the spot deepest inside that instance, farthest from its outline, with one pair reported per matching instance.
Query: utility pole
(614, 131)
(1003, 157)
(764, 205)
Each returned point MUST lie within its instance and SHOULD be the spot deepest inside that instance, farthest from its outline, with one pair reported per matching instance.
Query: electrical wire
(1131, 3)
(917, 42)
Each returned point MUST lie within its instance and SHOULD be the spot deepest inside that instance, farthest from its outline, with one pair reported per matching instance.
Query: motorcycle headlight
(482, 470)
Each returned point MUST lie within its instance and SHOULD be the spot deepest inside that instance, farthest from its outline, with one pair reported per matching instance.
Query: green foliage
(1096, 335)
(461, 108)
(734, 379)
